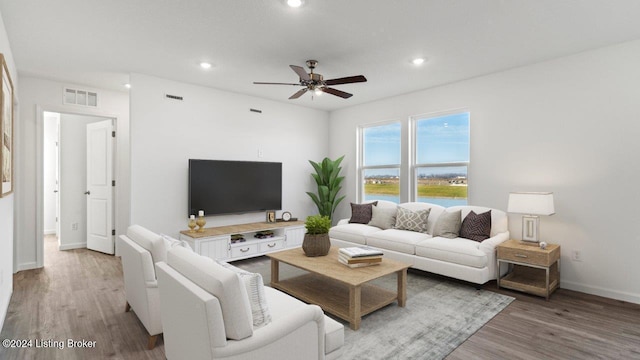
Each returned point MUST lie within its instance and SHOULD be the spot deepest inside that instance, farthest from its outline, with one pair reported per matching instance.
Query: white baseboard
(50, 232)
(5, 308)
(596, 290)
(27, 266)
(81, 245)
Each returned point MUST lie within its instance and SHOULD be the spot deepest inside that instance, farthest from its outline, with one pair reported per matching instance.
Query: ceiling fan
(315, 82)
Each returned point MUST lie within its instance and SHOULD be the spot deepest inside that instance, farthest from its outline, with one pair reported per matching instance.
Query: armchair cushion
(148, 240)
(222, 283)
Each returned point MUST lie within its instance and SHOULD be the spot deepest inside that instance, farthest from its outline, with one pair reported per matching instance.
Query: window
(441, 159)
(380, 162)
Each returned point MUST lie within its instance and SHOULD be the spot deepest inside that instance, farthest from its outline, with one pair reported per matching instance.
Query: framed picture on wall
(6, 131)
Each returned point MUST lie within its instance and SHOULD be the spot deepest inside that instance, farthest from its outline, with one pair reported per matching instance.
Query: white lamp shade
(531, 203)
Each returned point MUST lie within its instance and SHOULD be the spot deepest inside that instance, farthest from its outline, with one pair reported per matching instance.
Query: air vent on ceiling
(174, 97)
(80, 97)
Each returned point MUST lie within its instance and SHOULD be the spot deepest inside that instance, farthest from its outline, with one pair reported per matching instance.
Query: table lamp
(531, 204)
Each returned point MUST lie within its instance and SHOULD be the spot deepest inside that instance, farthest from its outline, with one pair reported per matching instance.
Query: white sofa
(140, 249)
(458, 258)
(207, 315)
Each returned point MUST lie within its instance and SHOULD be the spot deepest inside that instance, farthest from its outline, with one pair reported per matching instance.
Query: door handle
(87, 192)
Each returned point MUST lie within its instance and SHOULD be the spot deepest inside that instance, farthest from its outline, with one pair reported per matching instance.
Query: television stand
(215, 242)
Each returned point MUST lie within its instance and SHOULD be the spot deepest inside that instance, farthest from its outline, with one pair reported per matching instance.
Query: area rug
(439, 316)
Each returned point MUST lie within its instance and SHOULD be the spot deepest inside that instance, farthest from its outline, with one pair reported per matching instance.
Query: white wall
(49, 164)
(7, 203)
(570, 126)
(73, 180)
(213, 124)
(47, 95)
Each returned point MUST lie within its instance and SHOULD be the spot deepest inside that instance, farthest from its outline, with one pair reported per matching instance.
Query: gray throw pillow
(383, 217)
(412, 220)
(476, 226)
(448, 224)
(361, 213)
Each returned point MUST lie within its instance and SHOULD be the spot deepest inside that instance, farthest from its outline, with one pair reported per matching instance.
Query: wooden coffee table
(336, 288)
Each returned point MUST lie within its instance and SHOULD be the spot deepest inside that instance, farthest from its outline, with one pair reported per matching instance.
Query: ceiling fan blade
(336, 92)
(301, 72)
(273, 83)
(346, 80)
(298, 93)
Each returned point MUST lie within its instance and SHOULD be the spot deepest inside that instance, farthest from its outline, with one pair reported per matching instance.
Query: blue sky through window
(443, 139)
(382, 145)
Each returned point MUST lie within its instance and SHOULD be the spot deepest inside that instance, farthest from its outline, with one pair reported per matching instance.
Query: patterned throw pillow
(476, 226)
(412, 220)
(257, 298)
(361, 213)
(448, 224)
(383, 217)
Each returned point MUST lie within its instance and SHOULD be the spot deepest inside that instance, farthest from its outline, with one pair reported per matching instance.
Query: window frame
(413, 156)
(362, 168)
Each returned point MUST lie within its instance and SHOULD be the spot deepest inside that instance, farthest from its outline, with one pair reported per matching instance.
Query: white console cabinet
(216, 242)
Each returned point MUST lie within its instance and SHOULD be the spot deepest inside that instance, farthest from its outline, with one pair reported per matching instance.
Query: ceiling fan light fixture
(318, 91)
(417, 61)
(295, 3)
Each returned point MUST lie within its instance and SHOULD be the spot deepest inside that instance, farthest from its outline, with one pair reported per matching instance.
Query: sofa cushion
(499, 218)
(281, 305)
(383, 217)
(397, 240)
(407, 219)
(148, 240)
(434, 212)
(222, 283)
(476, 226)
(458, 251)
(255, 290)
(448, 224)
(361, 213)
(355, 233)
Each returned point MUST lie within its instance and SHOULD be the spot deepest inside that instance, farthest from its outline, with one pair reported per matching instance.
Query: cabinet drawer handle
(521, 256)
(271, 245)
(244, 250)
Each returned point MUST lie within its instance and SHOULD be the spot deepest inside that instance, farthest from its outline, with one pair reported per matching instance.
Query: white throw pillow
(383, 217)
(171, 242)
(257, 298)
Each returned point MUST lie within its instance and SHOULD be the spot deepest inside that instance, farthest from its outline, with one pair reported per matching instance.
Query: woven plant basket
(316, 245)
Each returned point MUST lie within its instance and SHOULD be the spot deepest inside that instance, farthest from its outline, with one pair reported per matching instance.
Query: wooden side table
(535, 271)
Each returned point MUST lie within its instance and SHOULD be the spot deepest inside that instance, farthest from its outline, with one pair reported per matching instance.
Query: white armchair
(207, 315)
(140, 249)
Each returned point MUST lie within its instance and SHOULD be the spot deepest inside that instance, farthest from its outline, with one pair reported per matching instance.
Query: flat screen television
(234, 187)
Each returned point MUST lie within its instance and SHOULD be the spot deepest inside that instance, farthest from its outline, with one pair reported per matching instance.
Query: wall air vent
(81, 97)
(174, 97)
(256, 111)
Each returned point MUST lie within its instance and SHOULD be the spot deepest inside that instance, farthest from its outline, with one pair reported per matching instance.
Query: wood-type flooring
(79, 295)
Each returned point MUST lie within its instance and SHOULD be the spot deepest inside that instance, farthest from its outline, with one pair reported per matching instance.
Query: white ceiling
(97, 43)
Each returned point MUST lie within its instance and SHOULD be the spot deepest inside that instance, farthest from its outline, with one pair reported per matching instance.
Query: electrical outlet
(576, 255)
(74, 226)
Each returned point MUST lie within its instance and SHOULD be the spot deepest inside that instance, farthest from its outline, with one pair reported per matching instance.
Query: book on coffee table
(358, 264)
(357, 260)
(360, 251)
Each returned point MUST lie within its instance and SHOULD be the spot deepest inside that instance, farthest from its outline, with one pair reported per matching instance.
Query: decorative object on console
(263, 234)
(328, 182)
(286, 216)
(201, 222)
(271, 216)
(531, 204)
(316, 241)
(192, 223)
(362, 213)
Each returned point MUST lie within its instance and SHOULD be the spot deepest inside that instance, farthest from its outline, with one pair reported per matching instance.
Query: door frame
(40, 109)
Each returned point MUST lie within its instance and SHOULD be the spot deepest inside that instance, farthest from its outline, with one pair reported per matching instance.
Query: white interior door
(99, 187)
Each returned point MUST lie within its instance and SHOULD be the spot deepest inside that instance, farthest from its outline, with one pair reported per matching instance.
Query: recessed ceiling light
(128, 86)
(418, 61)
(205, 65)
(294, 3)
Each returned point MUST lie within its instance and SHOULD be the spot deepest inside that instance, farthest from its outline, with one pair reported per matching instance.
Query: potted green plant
(316, 241)
(329, 184)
